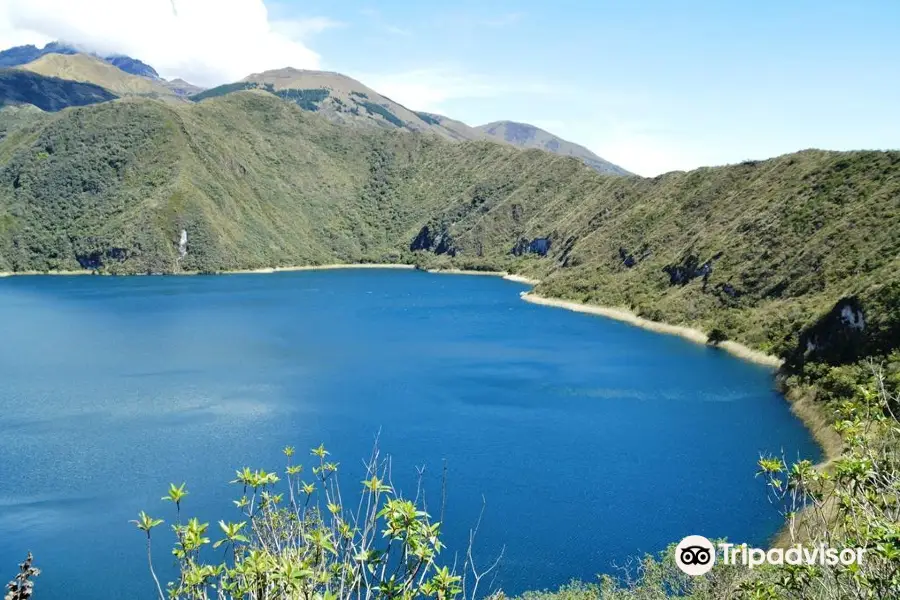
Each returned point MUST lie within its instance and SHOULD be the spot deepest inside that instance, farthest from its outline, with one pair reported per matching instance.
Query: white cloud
(207, 42)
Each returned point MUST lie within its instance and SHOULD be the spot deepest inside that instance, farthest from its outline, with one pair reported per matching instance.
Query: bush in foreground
(300, 542)
(22, 585)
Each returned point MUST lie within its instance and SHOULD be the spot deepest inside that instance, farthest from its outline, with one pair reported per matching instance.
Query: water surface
(589, 440)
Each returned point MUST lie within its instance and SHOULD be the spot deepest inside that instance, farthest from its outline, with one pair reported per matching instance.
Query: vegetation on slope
(47, 93)
(89, 69)
(307, 99)
(20, 55)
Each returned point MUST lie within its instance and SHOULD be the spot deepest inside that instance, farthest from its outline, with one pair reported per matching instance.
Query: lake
(588, 440)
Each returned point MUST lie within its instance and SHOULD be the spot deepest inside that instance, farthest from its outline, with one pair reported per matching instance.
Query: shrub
(372, 108)
(716, 337)
(301, 542)
(22, 586)
(854, 503)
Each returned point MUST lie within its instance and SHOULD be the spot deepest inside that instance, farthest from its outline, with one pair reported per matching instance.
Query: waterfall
(182, 245)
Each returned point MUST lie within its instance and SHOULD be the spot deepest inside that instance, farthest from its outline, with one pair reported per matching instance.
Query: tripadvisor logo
(696, 555)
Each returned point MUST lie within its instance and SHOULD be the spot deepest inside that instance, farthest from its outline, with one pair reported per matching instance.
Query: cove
(589, 440)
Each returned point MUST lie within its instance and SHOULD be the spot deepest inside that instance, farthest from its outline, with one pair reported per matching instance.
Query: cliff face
(764, 251)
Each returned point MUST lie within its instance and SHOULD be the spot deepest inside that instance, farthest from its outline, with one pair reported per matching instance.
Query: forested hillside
(759, 250)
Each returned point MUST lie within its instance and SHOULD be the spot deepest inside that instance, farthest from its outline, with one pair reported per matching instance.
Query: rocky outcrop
(836, 338)
(852, 329)
(539, 246)
(689, 269)
(96, 259)
(630, 259)
(726, 289)
(434, 238)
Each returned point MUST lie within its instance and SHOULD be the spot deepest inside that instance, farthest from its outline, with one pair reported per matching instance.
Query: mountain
(132, 65)
(89, 69)
(20, 55)
(524, 135)
(180, 87)
(337, 97)
(18, 87)
(347, 101)
(458, 128)
(775, 253)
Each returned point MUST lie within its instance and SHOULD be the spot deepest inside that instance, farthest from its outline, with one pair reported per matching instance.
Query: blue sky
(652, 86)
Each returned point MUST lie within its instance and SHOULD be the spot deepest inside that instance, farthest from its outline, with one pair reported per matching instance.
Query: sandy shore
(321, 268)
(521, 279)
(466, 272)
(503, 274)
(261, 270)
(11, 274)
(620, 314)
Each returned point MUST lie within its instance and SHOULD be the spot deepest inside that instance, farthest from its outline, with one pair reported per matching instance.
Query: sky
(650, 85)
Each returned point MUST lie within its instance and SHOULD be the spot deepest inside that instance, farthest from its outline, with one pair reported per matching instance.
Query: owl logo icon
(695, 555)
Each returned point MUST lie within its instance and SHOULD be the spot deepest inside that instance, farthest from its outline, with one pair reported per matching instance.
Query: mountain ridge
(350, 102)
(20, 55)
(525, 135)
(339, 97)
(89, 69)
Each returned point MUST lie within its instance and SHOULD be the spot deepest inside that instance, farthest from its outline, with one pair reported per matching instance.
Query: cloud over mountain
(207, 42)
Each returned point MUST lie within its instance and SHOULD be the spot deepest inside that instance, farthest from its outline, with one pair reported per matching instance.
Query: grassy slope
(259, 182)
(89, 69)
(255, 181)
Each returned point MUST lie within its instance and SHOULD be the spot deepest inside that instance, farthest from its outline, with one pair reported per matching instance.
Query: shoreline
(503, 274)
(51, 273)
(259, 270)
(328, 267)
(621, 314)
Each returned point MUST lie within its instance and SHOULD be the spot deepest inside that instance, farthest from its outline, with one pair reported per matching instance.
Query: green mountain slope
(344, 100)
(90, 69)
(337, 97)
(760, 250)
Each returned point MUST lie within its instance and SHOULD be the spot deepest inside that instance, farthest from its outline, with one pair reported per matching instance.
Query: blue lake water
(590, 440)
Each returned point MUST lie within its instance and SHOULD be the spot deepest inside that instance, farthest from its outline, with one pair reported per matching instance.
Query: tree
(716, 337)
